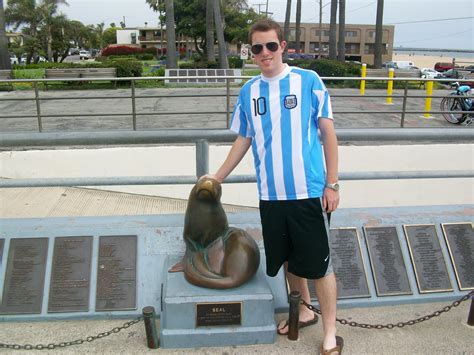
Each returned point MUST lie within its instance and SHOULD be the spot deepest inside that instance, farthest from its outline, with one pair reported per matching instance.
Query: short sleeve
(239, 122)
(321, 100)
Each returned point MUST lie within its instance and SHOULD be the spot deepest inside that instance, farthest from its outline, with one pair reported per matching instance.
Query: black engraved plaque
(218, 314)
(460, 240)
(348, 264)
(24, 279)
(116, 275)
(427, 258)
(386, 261)
(70, 275)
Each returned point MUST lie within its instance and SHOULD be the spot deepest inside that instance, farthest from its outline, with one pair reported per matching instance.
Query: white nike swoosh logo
(326, 258)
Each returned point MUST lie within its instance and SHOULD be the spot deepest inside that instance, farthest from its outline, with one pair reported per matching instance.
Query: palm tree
(171, 62)
(298, 25)
(378, 35)
(341, 52)
(333, 31)
(286, 28)
(210, 31)
(224, 64)
(4, 57)
(48, 10)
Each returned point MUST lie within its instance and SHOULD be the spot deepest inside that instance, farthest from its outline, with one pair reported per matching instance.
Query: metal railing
(201, 139)
(228, 109)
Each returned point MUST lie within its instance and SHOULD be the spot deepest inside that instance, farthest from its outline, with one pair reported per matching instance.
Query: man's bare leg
(298, 284)
(326, 290)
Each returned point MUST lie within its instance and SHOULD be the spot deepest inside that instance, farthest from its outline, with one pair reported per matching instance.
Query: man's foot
(283, 327)
(337, 350)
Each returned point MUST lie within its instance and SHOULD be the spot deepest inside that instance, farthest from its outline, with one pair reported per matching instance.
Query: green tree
(223, 62)
(210, 31)
(286, 28)
(110, 36)
(48, 11)
(298, 26)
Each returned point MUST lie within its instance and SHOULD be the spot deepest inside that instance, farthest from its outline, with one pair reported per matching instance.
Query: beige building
(359, 40)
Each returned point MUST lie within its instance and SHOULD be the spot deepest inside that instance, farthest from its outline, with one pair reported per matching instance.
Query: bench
(398, 73)
(86, 73)
(202, 72)
(6, 75)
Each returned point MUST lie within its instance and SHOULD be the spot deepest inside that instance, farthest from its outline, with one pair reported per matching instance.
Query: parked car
(442, 67)
(74, 51)
(430, 73)
(13, 59)
(84, 55)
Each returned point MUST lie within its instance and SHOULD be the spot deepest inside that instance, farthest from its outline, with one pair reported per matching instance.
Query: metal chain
(399, 324)
(88, 339)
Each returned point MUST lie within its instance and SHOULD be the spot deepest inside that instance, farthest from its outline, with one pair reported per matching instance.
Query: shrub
(120, 50)
(234, 62)
(144, 56)
(125, 67)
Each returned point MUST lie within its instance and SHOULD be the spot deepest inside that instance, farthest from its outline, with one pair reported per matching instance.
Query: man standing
(279, 114)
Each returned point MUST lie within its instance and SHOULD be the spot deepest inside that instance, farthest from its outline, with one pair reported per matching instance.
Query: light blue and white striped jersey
(281, 114)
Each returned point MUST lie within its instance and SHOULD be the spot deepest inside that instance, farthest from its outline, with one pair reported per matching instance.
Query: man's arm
(237, 152)
(329, 139)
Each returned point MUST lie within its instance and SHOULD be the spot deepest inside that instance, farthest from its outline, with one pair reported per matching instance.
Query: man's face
(270, 62)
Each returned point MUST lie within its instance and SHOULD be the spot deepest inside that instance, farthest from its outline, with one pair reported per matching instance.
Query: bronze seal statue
(217, 256)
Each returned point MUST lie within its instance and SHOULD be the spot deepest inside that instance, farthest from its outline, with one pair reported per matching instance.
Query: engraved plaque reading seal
(218, 314)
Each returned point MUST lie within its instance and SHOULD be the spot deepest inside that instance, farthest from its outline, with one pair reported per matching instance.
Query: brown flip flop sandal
(300, 324)
(337, 349)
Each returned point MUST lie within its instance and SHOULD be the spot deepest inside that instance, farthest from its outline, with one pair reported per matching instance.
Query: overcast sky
(452, 34)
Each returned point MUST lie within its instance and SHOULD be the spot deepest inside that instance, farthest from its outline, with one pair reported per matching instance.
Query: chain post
(150, 327)
(470, 318)
(294, 315)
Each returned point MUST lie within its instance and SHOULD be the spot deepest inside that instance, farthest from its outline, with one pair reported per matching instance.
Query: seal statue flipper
(178, 267)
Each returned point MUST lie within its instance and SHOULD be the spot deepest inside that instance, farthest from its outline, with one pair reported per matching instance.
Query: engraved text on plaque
(460, 240)
(386, 260)
(116, 275)
(70, 275)
(427, 258)
(24, 279)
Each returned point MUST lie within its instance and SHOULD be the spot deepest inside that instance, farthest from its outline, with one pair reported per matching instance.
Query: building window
(352, 33)
(325, 33)
(370, 48)
(292, 34)
(352, 48)
(133, 36)
(371, 34)
(157, 33)
(314, 47)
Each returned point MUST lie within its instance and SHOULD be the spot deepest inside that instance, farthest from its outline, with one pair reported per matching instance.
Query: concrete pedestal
(179, 314)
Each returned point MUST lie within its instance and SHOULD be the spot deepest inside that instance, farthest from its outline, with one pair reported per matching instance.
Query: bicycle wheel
(452, 104)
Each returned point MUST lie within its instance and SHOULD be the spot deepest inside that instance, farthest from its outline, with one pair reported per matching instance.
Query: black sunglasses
(271, 46)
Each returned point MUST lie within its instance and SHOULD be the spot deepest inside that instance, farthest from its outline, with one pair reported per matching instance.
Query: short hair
(266, 25)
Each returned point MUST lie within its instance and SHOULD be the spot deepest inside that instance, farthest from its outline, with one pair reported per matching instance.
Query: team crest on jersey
(290, 101)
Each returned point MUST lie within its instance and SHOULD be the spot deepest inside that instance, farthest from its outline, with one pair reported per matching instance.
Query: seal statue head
(217, 256)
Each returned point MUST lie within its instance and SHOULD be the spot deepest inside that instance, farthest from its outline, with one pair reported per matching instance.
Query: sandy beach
(428, 61)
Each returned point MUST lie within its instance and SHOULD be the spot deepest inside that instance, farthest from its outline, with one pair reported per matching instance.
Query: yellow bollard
(363, 74)
(429, 92)
(390, 87)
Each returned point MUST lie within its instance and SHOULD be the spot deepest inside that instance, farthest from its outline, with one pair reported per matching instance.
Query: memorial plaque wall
(427, 258)
(348, 264)
(24, 280)
(70, 275)
(116, 276)
(460, 240)
(386, 261)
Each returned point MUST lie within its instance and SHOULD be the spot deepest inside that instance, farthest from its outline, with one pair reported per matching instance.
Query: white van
(398, 64)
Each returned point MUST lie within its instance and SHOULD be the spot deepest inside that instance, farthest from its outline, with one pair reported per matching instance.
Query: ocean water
(437, 53)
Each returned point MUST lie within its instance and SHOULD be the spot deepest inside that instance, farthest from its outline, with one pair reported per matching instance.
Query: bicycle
(456, 102)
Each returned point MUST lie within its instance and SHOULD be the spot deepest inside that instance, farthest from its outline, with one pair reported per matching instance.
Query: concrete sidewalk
(446, 334)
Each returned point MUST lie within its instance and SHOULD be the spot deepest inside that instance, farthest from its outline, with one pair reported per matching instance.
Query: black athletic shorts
(296, 231)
